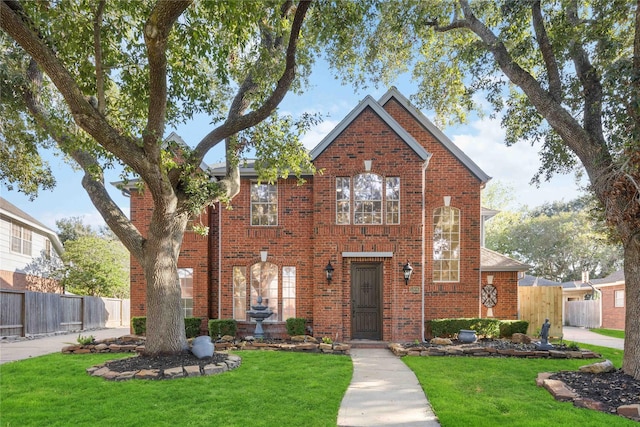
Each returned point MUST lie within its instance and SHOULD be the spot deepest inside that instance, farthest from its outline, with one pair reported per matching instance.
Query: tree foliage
(558, 240)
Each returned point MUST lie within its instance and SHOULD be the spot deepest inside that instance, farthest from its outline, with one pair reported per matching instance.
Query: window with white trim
(186, 290)
(618, 298)
(263, 282)
(446, 244)
(20, 239)
(367, 198)
(264, 204)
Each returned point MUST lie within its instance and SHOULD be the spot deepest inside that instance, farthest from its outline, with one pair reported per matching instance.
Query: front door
(366, 301)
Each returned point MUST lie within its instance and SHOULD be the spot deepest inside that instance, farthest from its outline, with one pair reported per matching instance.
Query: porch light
(407, 270)
(329, 271)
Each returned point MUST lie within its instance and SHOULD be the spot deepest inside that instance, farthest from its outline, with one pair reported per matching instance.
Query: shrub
(192, 326)
(450, 327)
(510, 327)
(221, 327)
(295, 326)
(139, 325)
(82, 340)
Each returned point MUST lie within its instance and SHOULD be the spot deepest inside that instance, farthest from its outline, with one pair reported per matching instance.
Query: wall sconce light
(407, 270)
(263, 256)
(490, 279)
(329, 271)
(447, 200)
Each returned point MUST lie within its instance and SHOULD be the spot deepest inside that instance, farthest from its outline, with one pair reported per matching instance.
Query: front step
(368, 344)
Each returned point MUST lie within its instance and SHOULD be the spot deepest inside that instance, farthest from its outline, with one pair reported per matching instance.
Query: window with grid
(343, 200)
(264, 283)
(619, 298)
(288, 292)
(186, 290)
(392, 199)
(264, 204)
(367, 199)
(20, 239)
(446, 244)
(240, 293)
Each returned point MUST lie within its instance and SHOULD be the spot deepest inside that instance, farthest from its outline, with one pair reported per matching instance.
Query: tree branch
(555, 83)
(97, 48)
(589, 78)
(18, 26)
(235, 124)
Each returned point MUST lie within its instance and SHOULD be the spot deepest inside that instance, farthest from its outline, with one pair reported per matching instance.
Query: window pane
(619, 298)
(264, 204)
(240, 293)
(288, 292)
(186, 289)
(446, 244)
(343, 200)
(16, 238)
(367, 188)
(392, 195)
(264, 283)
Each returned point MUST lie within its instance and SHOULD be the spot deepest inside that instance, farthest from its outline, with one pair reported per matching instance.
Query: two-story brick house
(394, 191)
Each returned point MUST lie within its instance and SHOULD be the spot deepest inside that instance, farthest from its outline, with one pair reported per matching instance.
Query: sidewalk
(384, 391)
(11, 350)
(583, 335)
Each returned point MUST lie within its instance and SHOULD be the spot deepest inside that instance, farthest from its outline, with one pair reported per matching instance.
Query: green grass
(468, 391)
(615, 333)
(268, 389)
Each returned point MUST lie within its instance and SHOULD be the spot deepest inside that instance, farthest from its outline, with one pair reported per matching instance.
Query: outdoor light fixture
(407, 270)
(329, 271)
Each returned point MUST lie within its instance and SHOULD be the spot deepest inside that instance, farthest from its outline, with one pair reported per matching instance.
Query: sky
(482, 139)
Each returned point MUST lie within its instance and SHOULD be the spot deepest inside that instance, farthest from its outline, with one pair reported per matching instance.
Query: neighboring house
(606, 294)
(394, 193)
(23, 240)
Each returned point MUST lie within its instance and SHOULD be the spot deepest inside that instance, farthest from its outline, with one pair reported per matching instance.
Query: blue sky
(481, 139)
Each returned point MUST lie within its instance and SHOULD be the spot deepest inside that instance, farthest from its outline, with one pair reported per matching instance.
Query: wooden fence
(583, 313)
(537, 303)
(25, 313)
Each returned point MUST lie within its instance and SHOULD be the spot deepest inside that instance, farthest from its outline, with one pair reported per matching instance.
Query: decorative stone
(630, 411)
(227, 338)
(325, 346)
(212, 369)
(440, 341)
(192, 371)
(202, 347)
(542, 376)
(69, 348)
(100, 372)
(519, 338)
(589, 404)
(559, 390)
(598, 368)
(101, 347)
(306, 346)
(303, 338)
(148, 374)
(176, 372)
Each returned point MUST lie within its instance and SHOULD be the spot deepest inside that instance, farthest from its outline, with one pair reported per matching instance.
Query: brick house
(394, 191)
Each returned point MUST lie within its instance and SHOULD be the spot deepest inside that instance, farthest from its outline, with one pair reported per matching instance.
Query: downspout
(219, 261)
(424, 249)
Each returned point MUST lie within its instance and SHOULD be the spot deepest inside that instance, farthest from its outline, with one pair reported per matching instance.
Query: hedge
(221, 327)
(295, 326)
(191, 326)
(510, 327)
(487, 327)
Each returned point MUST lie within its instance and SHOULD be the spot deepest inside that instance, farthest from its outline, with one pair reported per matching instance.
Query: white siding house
(22, 240)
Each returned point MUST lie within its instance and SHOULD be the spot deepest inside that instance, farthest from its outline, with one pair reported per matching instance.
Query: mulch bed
(163, 362)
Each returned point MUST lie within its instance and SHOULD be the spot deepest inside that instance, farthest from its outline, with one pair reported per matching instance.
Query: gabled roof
(493, 261)
(369, 102)
(437, 133)
(16, 214)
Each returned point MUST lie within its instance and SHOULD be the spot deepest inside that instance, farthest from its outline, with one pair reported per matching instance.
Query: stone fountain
(259, 312)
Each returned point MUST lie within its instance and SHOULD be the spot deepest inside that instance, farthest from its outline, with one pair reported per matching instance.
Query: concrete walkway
(384, 392)
(583, 335)
(11, 350)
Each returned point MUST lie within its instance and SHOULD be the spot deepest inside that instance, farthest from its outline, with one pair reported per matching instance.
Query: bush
(221, 327)
(510, 327)
(139, 325)
(192, 326)
(295, 326)
(450, 327)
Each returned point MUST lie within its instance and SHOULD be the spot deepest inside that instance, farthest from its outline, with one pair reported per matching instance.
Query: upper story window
(20, 239)
(374, 200)
(618, 298)
(446, 244)
(264, 204)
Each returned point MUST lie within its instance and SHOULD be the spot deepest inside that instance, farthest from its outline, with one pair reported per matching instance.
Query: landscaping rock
(559, 390)
(519, 338)
(304, 338)
(598, 368)
(440, 341)
(630, 411)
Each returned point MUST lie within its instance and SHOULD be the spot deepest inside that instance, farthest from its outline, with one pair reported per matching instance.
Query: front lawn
(615, 333)
(476, 391)
(269, 389)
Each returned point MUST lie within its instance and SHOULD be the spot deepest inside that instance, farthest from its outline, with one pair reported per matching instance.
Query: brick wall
(612, 317)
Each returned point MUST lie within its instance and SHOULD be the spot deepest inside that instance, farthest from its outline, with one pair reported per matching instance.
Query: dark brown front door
(366, 301)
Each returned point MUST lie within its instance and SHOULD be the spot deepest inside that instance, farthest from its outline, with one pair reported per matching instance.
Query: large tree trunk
(631, 360)
(165, 317)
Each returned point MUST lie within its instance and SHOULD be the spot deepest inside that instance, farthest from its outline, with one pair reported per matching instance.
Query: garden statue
(544, 336)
